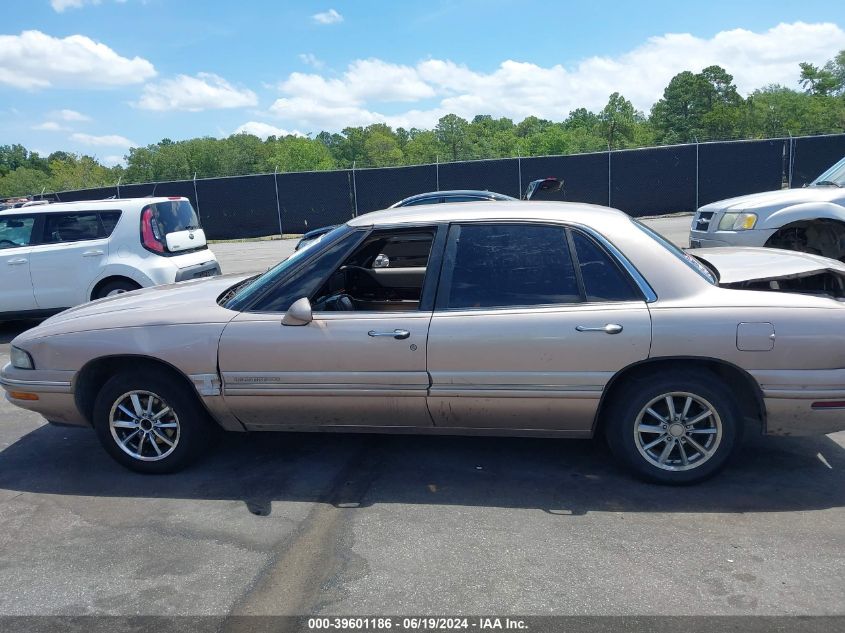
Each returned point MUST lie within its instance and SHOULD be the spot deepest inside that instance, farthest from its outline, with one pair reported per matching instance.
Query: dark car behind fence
(640, 182)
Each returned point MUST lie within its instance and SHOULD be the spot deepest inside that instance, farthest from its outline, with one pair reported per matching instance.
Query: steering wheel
(9, 242)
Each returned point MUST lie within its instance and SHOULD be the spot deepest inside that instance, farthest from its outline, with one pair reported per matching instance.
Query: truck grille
(702, 220)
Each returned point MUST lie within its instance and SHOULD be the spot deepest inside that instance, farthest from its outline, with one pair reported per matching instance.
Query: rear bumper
(790, 396)
(54, 394)
(208, 269)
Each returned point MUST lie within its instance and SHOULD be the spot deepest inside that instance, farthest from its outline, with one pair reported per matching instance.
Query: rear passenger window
(109, 220)
(500, 265)
(603, 281)
(70, 227)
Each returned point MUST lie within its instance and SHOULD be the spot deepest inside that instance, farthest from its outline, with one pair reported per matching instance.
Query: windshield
(688, 259)
(245, 294)
(833, 176)
(174, 216)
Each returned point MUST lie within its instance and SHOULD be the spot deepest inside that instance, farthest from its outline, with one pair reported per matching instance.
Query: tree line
(695, 107)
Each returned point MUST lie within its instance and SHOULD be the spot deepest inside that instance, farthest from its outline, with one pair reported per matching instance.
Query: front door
(16, 293)
(531, 323)
(360, 362)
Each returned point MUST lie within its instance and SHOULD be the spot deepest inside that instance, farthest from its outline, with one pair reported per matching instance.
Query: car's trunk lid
(774, 269)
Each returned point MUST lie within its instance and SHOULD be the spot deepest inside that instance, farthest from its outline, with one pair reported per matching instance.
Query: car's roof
(77, 205)
(506, 210)
(492, 195)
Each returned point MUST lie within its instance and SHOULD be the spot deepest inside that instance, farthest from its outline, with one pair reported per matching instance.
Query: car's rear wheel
(116, 287)
(150, 425)
(673, 430)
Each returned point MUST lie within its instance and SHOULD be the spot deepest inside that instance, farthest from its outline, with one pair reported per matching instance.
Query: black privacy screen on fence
(812, 155)
(653, 181)
(640, 182)
(238, 207)
(379, 188)
(584, 175)
(313, 199)
(501, 176)
(735, 169)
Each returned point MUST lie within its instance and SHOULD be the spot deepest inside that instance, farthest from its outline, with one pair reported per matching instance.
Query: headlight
(21, 359)
(737, 221)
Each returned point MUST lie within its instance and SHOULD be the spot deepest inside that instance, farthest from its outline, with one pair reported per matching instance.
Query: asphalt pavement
(365, 524)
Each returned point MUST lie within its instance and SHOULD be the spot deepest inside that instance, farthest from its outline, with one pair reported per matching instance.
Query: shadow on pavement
(567, 477)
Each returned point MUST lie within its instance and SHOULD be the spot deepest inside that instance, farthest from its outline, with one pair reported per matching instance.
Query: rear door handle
(17, 262)
(610, 328)
(397, 334)
(93, 253)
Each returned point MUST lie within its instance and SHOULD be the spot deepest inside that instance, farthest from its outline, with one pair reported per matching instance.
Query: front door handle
(17, 262)
(397, 334)
(93, 253)
(610, 328)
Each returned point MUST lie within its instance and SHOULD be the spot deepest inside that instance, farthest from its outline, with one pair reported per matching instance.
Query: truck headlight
(737, 221)
(21, 359)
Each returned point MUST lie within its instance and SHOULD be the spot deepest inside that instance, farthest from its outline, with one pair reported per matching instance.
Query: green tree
(617, 121)
(451, 132)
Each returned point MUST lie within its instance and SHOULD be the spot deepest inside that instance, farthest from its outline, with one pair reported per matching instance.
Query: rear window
(109, 220)
(503, 265)
(174, 216)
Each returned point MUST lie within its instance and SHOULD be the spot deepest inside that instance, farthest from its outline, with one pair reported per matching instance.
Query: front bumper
(707, 239)
(55, 400)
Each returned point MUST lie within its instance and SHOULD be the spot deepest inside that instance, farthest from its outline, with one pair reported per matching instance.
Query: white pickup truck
(810, 219)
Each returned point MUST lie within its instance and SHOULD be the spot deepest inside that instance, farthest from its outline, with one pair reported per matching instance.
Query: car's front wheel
(150, 425)
(673, 430)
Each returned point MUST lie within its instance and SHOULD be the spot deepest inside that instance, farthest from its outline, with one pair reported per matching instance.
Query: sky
(100, 76)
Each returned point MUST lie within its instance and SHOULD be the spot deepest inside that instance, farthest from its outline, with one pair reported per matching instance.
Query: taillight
(150, 234)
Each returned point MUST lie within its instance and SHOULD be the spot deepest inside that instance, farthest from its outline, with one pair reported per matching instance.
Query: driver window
(384, 274)
(16, 231)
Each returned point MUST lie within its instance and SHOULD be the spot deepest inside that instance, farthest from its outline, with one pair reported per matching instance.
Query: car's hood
(778, 199)
(186, 302)
(738, 264)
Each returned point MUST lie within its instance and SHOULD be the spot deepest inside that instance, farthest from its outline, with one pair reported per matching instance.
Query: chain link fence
(641, 182)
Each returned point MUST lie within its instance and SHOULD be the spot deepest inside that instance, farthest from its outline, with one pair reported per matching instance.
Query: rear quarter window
(109, 220)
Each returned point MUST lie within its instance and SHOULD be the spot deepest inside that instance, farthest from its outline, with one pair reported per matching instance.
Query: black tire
(116, 286)
(718, 432)
(191, 437)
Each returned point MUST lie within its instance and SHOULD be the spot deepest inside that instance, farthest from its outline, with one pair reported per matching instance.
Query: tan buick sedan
(534, 319)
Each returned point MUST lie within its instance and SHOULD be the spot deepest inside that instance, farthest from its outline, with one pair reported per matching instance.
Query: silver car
(537, 319)
(810, 219)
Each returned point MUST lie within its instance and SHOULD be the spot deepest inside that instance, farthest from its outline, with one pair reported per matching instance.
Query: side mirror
(299, 313)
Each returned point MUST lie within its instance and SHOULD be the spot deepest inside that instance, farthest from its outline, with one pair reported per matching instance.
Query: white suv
(59, 255)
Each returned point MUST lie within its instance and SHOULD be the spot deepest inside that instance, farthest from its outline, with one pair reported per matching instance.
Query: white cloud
(327, 17)
(36, 60)
(61, 5)
(49, 126)
(310, 59)
(206, 91)
(263, 130)
(369, 89)
(112, 160)
(107, 140)
(69, 115)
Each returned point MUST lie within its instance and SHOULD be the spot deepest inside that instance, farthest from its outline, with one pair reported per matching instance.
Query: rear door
(72, 249)
(16, 231)
(531, 322)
